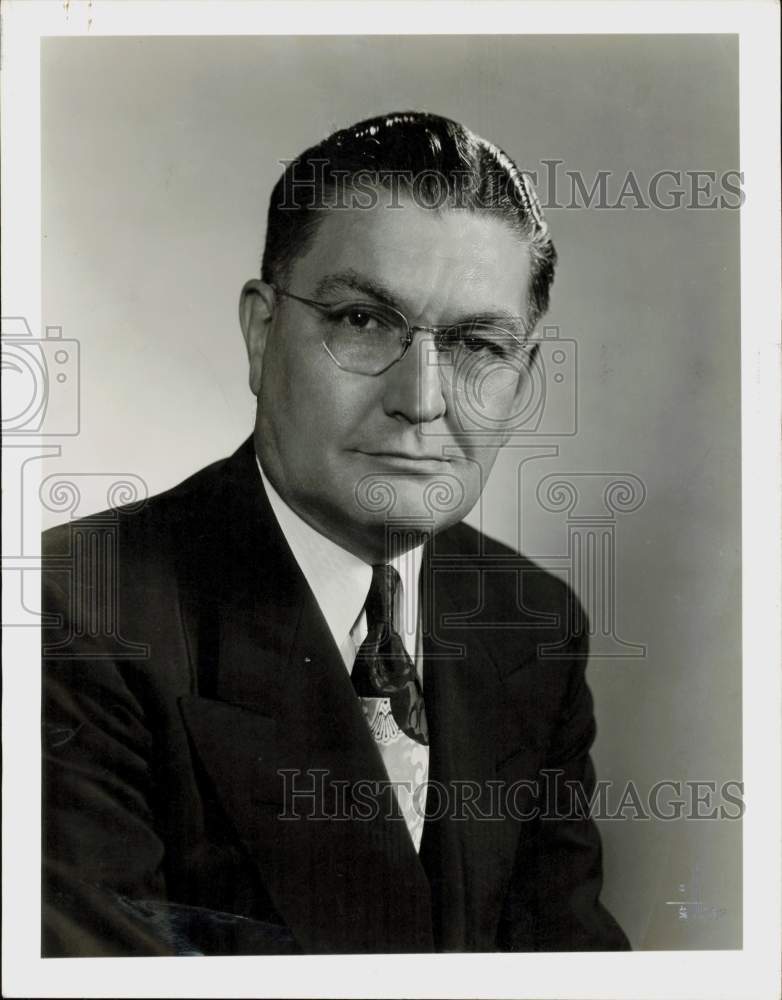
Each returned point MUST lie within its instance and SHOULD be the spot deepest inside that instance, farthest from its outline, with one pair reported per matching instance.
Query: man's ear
(256, 309)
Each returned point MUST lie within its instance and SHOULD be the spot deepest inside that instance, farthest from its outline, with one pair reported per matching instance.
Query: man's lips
(405, 457)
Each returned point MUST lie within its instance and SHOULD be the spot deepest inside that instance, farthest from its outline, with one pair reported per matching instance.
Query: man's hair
(436, 161)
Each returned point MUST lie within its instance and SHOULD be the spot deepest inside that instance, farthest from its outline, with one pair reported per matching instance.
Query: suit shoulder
(151, 517)
(498, 563)
(472, 544)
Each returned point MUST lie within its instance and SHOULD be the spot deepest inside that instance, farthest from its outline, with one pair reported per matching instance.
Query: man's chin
(433, 500)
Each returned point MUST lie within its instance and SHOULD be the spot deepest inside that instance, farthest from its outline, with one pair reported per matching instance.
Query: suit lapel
(468, 853)
(281, 734)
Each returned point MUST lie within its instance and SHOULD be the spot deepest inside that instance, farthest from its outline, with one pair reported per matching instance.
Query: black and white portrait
(383, 501)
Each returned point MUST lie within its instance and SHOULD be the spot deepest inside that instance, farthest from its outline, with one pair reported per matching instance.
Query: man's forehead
(451, 258)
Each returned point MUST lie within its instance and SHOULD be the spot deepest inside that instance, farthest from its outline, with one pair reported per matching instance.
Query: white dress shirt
(340, 584)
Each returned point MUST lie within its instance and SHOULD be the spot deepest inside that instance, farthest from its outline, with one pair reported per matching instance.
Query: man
(311, 711)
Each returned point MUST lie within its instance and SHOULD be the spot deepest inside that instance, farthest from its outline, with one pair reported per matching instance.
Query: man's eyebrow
(492, 317)
(351, 280)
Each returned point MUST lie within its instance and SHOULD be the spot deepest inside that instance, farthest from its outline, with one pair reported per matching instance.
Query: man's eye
(473, 341)
(359, 319)
(475, 338)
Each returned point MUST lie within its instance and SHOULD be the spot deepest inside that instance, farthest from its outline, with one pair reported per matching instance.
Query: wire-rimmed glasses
(369, 337)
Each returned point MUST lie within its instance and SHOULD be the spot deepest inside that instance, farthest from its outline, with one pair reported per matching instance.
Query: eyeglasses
(369, 337)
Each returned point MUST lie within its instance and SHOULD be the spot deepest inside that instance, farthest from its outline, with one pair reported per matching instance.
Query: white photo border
(750, 972)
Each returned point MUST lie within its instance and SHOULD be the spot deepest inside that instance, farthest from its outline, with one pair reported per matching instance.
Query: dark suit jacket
(187, 664)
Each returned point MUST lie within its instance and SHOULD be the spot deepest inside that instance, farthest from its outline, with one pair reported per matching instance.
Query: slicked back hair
(438, 162)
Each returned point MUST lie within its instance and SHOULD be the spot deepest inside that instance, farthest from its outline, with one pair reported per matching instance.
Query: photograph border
(752, 971)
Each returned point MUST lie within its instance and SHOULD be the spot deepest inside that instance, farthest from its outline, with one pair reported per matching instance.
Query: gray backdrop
(158, 159)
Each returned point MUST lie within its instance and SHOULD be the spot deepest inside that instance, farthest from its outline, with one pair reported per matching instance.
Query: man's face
(350, 452)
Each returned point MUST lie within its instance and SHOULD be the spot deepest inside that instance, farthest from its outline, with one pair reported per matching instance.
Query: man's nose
(413, 386)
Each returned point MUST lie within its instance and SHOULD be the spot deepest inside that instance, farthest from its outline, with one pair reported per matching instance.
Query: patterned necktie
(383, 668)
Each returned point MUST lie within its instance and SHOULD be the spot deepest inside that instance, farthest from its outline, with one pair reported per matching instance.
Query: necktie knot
(381, 600)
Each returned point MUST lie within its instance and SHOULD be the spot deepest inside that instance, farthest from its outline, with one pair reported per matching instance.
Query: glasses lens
(363, 336)
(484, 361)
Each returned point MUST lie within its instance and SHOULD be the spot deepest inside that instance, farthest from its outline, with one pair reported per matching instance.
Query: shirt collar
(338, 579)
